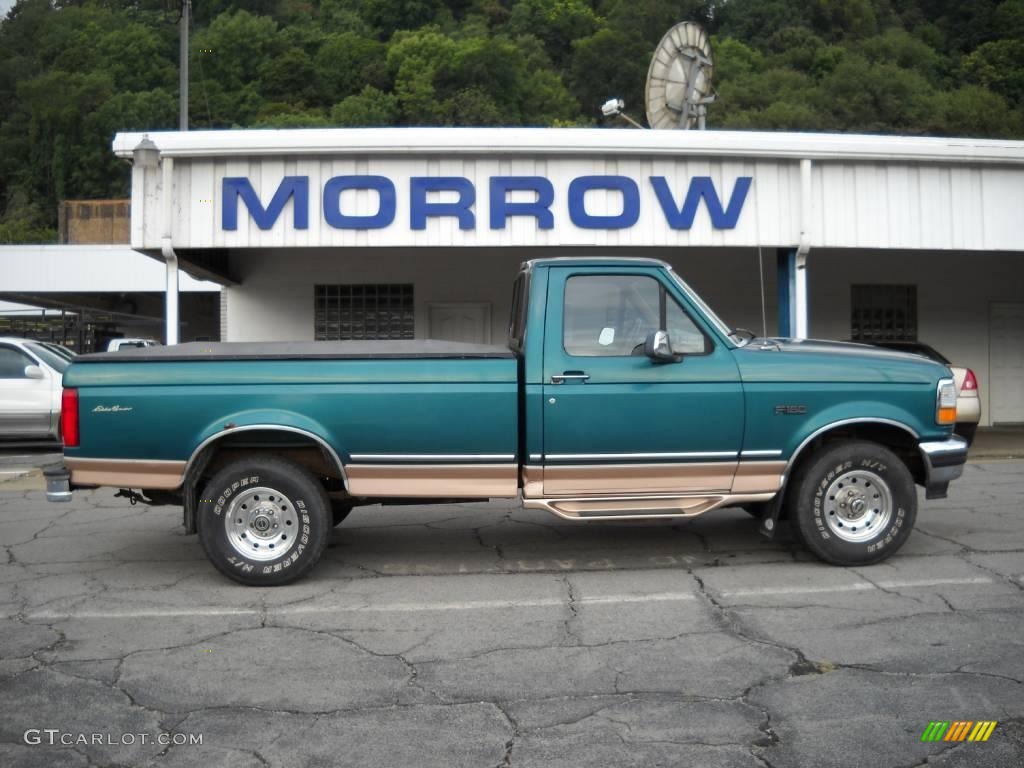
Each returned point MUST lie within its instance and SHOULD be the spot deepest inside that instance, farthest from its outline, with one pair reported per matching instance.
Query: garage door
(1007, 363)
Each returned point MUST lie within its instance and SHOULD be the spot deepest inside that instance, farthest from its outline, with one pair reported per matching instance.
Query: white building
(418, 232)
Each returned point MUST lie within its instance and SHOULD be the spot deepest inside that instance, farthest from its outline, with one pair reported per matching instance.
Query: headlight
(945, 402)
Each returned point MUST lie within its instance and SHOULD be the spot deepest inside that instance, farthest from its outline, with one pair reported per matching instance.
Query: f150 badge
(790, 410)
(111, 408)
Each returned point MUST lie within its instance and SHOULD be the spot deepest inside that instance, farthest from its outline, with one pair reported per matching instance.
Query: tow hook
(132, 496)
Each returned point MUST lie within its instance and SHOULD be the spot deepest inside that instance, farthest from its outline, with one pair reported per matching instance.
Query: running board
(640, 507)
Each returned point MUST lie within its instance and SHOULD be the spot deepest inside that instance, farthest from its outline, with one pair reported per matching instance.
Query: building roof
(86, 268)
(573, 141)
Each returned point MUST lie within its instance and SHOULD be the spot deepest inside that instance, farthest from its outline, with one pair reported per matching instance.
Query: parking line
(857, 586)
(484, 605)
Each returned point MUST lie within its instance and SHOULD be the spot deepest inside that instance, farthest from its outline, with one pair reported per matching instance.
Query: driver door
(615, 422)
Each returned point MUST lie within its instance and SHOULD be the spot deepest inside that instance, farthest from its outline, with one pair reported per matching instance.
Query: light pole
(186, 7)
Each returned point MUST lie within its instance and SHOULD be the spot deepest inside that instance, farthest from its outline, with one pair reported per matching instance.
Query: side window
(683, 333)
(13, 362)
(612, 315)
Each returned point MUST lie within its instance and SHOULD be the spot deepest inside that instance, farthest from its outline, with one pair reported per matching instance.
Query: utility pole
(186, 7)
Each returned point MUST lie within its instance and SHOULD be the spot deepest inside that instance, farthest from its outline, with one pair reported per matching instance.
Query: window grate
(883, 313)
(360, 312)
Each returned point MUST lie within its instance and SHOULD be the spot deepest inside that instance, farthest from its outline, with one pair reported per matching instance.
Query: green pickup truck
(620, 395)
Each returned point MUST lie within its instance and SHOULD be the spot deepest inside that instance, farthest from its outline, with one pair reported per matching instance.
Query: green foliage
(370, 107)
(74, 72)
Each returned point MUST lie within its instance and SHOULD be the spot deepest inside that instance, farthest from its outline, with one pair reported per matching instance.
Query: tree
(74, 72)
(369, 108)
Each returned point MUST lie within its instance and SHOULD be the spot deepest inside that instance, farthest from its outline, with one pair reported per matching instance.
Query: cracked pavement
(487, 635)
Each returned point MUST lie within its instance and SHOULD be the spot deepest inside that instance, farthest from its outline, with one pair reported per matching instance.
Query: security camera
(612, 107)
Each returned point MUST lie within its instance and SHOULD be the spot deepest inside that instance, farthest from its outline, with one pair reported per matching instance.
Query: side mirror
(34, 372)
(658, 348)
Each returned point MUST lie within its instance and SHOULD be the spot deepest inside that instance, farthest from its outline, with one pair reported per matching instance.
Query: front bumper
(58, 482)
(943, 462)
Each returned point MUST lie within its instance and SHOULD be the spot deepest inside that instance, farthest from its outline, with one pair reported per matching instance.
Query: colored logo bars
(958, 730)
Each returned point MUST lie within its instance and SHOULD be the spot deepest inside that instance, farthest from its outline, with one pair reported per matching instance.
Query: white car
(115, 344)
(30, 389)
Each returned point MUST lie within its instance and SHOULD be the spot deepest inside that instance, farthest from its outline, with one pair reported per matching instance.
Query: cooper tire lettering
(293, 481)
(853, 504)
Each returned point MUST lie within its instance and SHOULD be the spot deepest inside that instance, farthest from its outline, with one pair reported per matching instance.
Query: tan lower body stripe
(126, 473)
(470, 481)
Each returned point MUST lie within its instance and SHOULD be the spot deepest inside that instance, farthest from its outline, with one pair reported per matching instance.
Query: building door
(1006, 363)
(460, 321)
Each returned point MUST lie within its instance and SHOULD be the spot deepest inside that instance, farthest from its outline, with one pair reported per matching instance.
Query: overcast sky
(5, 6)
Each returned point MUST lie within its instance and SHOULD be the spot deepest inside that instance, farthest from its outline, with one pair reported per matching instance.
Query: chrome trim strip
(276, 427)
(536, 456)
(602, 456)
(841, 423)
(761, 453)
(433, 456)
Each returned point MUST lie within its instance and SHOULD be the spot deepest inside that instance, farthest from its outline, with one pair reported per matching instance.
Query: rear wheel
(263, 520)
(853, 504)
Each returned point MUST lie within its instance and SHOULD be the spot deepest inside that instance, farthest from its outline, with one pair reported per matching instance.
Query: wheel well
(299, 447)
(899, 441)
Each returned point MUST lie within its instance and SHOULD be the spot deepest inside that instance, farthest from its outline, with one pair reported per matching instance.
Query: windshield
(708, 312)
(59, 363)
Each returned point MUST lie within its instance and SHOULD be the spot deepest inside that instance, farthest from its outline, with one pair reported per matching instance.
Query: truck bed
(379, 398)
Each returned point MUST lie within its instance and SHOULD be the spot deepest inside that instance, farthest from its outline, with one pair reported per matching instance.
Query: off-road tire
(284, 497)
(852, 504)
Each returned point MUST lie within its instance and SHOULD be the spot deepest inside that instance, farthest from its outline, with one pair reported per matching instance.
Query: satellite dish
(679, 79)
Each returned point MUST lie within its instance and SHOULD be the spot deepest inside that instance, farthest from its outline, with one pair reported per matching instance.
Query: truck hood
(809, 360)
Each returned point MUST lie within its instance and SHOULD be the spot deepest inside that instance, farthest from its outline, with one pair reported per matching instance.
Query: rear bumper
(943, 462)
(58, 482)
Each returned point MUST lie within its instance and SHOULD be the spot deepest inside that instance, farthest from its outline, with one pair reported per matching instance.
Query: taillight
(69, 417)
(970, 383)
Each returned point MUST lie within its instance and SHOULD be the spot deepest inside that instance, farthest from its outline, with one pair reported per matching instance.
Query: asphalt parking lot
(484, 635)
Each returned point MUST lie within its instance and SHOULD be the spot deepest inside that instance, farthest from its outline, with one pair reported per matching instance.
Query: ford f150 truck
(619, 396)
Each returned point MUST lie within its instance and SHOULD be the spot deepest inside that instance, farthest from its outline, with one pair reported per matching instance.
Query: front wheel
(264, 520)
(853, 504)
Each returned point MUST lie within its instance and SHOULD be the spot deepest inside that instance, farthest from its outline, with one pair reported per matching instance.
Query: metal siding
(770, 214)
(1002, 194)
(854, 204)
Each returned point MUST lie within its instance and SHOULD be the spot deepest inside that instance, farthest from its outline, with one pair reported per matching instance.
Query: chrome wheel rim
(261, 524)
(858, 506)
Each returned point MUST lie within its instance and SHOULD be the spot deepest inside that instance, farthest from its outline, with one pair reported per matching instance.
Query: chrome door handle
(559, 378)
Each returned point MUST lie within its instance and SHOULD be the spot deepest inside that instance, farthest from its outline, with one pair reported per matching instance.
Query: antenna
(764, 312)
(678, 86)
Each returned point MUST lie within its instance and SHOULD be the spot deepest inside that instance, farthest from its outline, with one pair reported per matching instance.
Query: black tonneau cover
(300, 350)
